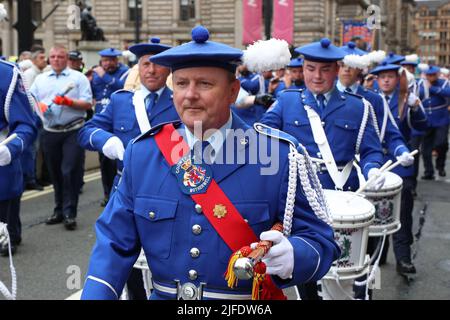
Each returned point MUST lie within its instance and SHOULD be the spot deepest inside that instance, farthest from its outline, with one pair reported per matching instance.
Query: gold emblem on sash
(220, 211)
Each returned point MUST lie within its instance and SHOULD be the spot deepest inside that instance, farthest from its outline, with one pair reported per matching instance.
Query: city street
(51, 262)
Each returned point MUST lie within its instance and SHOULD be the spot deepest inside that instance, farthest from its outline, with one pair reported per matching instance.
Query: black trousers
(9, 214)
(64, 158)
(437, 139)
(416, 143)
(108, 169)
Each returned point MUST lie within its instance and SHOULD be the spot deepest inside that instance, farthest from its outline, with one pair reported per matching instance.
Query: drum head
(346, 206)
(392, 181)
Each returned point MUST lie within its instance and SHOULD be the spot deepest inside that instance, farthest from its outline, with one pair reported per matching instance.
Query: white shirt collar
(216, 140)
(353, 87)
(327, 95)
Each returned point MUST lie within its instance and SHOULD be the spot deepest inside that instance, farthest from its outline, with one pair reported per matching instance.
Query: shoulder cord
(314, 193)
(4, 237)
(362, 129)
(10, 93)
(374, 117)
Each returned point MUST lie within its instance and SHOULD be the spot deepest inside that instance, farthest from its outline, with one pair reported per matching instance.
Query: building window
(132, 12)
(36, 11)
(187, 10)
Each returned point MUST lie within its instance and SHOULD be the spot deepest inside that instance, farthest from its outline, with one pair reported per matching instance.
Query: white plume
(445, 71)
(423, 67)
(3, 13)
(356, 61)
(376, 56)
(25, 64)
(266, 55)
(413, 58)
(129, 55)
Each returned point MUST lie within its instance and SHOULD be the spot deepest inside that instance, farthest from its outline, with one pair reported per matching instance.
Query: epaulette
(122, 90)
(154, 130)
(293, 90)
(354, 94)
(275, 133)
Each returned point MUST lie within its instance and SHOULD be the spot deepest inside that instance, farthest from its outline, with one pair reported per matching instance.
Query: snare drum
(352, 216)
(387, 206)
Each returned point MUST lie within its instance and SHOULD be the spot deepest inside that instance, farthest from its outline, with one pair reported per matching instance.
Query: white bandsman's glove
(379, 182)
(405, 159)
(280, 258)
(412, 99)
(113, 149)
(5, 156)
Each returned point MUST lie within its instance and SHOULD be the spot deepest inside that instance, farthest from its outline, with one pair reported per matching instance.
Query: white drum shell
(352, 216)
(387, 202)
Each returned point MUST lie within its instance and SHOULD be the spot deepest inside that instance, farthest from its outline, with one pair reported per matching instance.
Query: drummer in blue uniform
(435, 94)
(321, 111)
(177, 219)
(16, 116)
(107, 78)
(408, 116)
(129, 114)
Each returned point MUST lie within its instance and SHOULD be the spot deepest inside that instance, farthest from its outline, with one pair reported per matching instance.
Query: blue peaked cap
(110, 52)
(393, 58)
(200, 52)
(351, 48)
(295, 63)
(322, 51)
(432, 70)
(384, 66)
(152, 47)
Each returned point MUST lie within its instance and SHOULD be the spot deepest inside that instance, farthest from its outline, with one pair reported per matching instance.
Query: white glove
(405, 159)
(5, 156)
(280, 258)
(379, 182)
(412, 99)
(113, 149)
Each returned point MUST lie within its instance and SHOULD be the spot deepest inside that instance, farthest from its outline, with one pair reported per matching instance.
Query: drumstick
(373, 178)
(11, 137)
(395, 164)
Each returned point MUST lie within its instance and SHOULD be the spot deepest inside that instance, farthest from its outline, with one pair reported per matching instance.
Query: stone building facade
(172, 21)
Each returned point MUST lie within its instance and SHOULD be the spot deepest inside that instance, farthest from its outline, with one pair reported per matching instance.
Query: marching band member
(190, 218)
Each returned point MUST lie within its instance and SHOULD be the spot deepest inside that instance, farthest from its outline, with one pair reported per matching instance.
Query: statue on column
(89, 29)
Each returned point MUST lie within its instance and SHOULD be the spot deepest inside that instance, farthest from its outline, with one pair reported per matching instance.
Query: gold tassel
(259, 276)
(230, 277)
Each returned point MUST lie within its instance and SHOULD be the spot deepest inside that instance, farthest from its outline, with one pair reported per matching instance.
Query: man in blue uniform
(435, 94)
(293, 79)
(407, 114)
(16, 116)
(164, 200)
(107, 78)
(333, 126)
(129, 114)
(341, 117)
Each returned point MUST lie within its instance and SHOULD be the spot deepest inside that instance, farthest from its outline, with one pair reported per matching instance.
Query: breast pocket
(344, 136)
(257, 215)
(155, 219)
(301, 129)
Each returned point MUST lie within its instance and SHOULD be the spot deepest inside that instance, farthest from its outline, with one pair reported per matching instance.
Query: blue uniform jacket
(251, 114)
(416, 120)
(436, 104)
(149, 185)
(103, 88)
(341, 120)
(282, 86)
(119, 119)
(16, 117)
